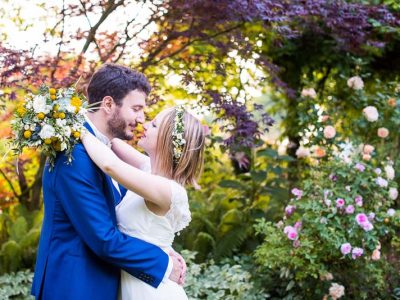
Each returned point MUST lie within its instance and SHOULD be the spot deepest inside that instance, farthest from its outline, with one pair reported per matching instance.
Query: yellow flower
(76, 102)
(55, 115)
(21, 111)
(57, 146)
(53, 97)
(47, 141)
(56, 107)
(52, 91)
(27, 134)
(61, 115)
(76, 134)
(40, 116)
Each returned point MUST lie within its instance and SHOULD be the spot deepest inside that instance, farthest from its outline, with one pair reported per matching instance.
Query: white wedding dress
(135, 219)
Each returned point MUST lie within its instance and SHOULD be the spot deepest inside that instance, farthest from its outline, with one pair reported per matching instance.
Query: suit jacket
(81, 250)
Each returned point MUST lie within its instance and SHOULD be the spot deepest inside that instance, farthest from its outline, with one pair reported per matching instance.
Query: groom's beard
(117, 127)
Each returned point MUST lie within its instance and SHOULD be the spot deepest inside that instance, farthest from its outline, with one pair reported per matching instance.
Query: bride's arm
(127, 153)
(132, 178)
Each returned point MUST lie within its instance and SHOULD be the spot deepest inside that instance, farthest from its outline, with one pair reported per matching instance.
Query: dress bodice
(136, 219)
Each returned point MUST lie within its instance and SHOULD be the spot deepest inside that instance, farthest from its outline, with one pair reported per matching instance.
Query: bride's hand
(178, 273)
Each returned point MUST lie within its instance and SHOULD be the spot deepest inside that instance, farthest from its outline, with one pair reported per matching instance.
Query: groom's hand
(178, 273)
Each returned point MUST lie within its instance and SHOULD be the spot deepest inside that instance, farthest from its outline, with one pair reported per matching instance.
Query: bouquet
(51, 121)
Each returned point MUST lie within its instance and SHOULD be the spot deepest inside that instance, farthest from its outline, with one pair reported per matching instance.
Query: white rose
(47, 132)
(389, 172)
(371, 113)
(393, 193)
(355, 83)
(310, 92)
(39, 105)
(391, 212)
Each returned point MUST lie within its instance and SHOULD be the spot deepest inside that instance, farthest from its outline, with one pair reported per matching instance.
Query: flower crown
(177, 134)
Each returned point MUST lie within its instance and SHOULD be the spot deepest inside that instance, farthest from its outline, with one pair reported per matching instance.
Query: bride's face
(151, 129)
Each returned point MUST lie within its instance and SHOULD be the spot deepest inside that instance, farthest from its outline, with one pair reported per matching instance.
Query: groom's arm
(80, 189)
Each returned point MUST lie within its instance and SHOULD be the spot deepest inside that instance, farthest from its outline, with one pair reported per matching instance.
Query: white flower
(47, 132)
(378, 171)
(39, 105)
(26, 127)
(61, 122)
(393, 193)
(310, 92)
(336, 291)
(381, 182)
(391, 212)
(70, 108)
(67, 131)
(371, 113)
(355, 83)
(389, 172)
(63, 146)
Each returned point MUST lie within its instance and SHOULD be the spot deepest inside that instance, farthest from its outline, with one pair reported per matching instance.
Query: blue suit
(81, 250)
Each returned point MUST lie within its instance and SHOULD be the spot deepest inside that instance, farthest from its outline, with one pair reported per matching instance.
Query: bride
(156, 207)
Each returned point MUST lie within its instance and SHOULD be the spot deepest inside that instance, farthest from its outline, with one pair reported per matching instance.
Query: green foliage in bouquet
(51, 121)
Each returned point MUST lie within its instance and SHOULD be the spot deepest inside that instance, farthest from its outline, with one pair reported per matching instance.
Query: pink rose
(297, 225)
(393, 193)
(289, 210)
(355, 83)
(360, 167)
(329, 132)
(371, 113)
(349, 209)
(302, 152)
(361, 218)
(366, 157)
(345, 248)
(292, 235)
(376, 255)
(287, 229)
(357, 252)
(297, 192)
(367, 226)
(310, 92)
(340, 202)
(368, 149)
(358, 200)
(383, 132)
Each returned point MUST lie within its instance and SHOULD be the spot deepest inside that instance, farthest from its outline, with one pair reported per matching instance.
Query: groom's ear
(108, 104)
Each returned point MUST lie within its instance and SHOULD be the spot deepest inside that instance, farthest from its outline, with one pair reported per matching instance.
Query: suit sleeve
(79, 186)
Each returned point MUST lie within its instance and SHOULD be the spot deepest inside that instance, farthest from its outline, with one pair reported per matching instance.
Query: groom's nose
(140, 117)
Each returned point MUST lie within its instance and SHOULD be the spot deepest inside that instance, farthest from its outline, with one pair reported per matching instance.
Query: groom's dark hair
(115, 81)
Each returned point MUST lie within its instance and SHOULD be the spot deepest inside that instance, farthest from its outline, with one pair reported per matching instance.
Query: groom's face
(124, 118)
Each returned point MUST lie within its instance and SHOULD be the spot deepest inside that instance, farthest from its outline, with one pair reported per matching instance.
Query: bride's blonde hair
(188, 167)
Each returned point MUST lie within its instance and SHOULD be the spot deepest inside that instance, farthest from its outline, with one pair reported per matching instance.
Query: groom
(81, 250)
